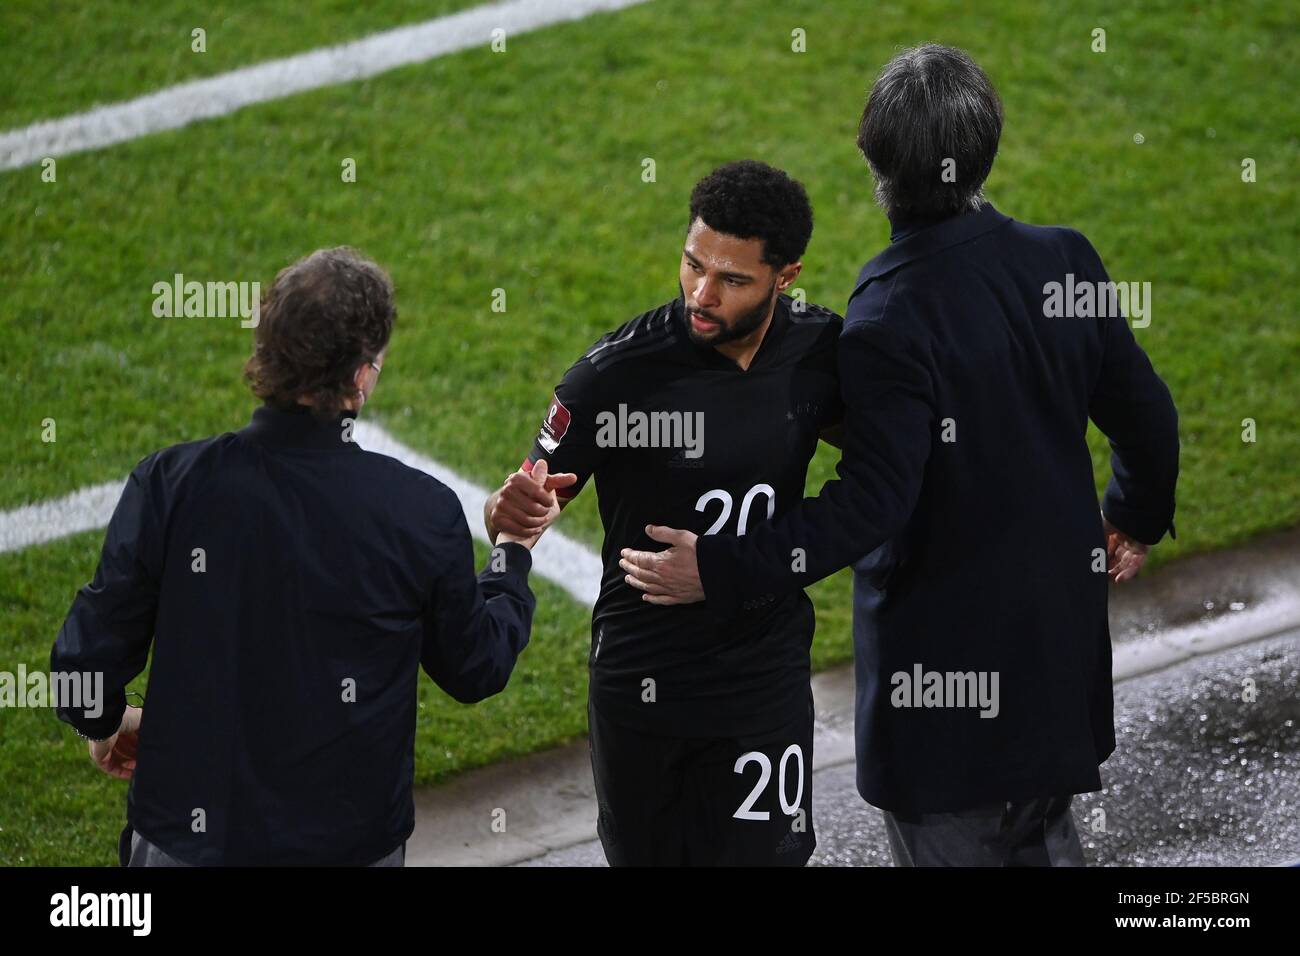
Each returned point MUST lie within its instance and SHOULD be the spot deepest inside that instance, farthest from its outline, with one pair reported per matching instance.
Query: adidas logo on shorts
(788, 843)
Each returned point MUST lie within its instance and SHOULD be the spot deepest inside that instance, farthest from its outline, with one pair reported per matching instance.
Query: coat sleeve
(1134, 410)
(475, 627)
(888, 423)
(110, 625)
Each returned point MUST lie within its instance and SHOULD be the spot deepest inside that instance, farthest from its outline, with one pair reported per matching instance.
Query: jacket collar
(916, 239)
(297, 427)
(902, 226)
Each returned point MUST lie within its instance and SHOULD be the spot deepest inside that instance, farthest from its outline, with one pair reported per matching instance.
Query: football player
(700, 414)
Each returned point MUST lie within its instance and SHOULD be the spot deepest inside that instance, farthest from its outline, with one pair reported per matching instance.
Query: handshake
(526, 504)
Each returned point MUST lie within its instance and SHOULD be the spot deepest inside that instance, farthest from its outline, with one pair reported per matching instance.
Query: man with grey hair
(966, 499)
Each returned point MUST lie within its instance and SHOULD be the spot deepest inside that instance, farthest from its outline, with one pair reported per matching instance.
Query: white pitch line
(565, 562)
(561, 560)
(83, 510)
(225, 93)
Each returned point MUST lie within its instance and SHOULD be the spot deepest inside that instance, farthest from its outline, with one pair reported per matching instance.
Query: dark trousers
(144, 853)
(1037, 832)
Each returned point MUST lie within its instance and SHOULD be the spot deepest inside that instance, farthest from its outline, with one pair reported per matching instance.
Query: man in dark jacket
(975, 349)
(291, 585)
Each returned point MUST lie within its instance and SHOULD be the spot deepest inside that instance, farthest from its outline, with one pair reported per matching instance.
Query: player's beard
(746, 325)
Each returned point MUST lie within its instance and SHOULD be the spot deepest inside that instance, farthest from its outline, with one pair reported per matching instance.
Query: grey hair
(931, 110)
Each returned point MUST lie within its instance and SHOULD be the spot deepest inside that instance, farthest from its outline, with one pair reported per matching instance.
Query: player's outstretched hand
(666, 577)
(526, 504)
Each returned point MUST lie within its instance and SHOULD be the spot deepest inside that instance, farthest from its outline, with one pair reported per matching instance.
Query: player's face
(729, 290)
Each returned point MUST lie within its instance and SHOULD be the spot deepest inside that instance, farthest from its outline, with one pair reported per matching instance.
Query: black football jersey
(677, 434)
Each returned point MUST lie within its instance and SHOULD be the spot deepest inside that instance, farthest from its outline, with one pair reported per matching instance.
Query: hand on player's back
(526, 504)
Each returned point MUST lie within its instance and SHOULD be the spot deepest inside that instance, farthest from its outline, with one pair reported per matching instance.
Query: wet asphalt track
(1199, 776)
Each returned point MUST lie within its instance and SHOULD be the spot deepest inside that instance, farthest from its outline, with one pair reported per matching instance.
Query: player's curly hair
(752, 200)
(323, 316)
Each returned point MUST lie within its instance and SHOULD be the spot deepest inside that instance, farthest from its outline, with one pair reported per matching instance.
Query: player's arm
(567, 443)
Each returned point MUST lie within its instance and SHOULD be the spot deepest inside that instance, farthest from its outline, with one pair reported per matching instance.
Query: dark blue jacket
(966, 502)
(290, 585)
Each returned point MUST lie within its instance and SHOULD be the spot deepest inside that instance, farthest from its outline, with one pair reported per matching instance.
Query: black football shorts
(733, 801)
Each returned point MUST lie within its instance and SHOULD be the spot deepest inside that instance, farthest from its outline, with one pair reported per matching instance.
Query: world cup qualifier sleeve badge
(555, 425)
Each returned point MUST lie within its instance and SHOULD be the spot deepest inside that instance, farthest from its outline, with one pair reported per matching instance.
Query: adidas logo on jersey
(680, 460)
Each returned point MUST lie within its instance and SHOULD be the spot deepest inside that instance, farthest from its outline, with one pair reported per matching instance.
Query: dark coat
(290, 586)
(966, 502)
